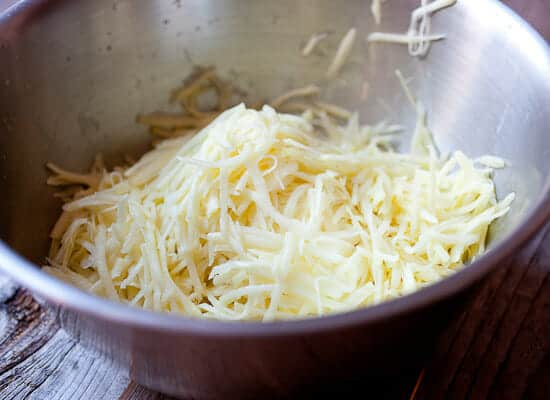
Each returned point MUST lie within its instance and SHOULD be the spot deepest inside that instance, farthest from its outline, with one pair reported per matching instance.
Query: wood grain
(498, 348)
(40, 361)
(136, 392)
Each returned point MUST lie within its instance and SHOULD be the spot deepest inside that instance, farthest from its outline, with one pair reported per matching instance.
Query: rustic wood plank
(454, 342)
(27, 327)
(40, 361)
(531, 345)
(505, 329)
(137, 392)
(538, 386)
(23, 379)
(82, 374)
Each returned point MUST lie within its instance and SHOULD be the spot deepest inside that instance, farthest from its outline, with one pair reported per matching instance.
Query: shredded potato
(252, 213)
(342, 53)
(264, 215)
(418, 37)
(376, 10)
(191, 118)
(313, 42)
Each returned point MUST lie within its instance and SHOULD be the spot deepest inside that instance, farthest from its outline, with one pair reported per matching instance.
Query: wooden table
(498, 348)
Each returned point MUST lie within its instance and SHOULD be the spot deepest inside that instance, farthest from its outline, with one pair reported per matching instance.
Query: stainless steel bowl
(73, 75)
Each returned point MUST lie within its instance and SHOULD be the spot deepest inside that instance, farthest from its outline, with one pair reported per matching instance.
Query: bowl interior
(74, 74)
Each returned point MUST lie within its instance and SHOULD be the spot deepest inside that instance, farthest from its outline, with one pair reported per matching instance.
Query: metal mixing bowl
(73, 75)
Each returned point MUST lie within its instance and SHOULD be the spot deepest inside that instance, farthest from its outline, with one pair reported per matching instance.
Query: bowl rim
(66, 296)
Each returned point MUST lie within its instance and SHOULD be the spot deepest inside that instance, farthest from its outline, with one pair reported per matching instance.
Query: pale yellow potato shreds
(342, 53)
(259, 217)
(376, 10)
(313, 42)
(418, 37)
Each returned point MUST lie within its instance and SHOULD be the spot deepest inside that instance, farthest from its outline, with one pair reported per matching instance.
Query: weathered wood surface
(40, 361)
(499, 348)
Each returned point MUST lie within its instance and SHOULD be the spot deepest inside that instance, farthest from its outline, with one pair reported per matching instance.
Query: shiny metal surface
(73, 75)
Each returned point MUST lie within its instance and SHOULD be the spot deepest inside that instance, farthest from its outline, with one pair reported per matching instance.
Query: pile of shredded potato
(264, 215)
